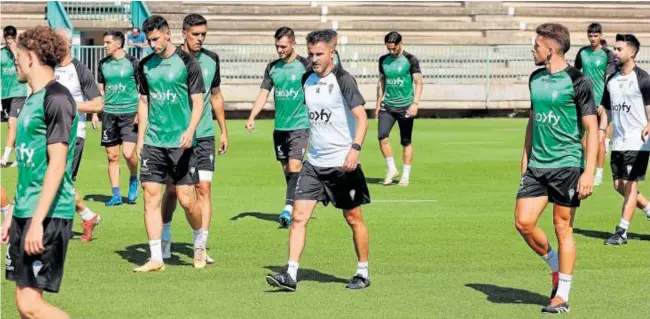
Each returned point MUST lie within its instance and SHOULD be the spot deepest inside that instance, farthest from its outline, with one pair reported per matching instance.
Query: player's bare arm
(380, 93)
(528, 144)
(352, 159)
(217, 101)
(143, 121)
(57, 154)
(645, 133)
(197, 112)
(260, 101)
(419, 85)
(586, 183)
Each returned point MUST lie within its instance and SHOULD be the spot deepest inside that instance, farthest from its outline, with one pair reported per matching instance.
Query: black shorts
(11, 106)
(119, 128)
(346, 190)
(559, 184)
(44, 271)
(629, 165)
(160, 165)
(204, 153)
(387, 118)
(290, 144)
(76, 161)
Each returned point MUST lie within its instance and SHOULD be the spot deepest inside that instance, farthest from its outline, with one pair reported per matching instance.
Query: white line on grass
(404, 201)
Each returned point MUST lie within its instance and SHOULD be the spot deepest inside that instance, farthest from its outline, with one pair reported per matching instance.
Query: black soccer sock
(292, 181)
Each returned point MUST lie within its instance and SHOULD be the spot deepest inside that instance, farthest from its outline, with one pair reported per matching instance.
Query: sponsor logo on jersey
(622, 107)
(320, 117)
(550, 118)
(290, 94)
(118, 88)
(9, 70)
(167, 96)
(395, 81)
(25, 155)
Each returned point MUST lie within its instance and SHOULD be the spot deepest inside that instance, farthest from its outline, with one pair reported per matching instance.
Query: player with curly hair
(46, 130)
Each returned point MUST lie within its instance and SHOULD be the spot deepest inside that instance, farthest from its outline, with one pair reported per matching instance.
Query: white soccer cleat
(404, 182)
(208, 259)
(14, 164)
(167, 249)
(390, 176)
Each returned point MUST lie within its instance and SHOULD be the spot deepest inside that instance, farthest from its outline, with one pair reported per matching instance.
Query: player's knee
(113, 157)
(383, 138)
(353, 217)
(299, 217)
(27, 305)
(405, 141)
(524, 227)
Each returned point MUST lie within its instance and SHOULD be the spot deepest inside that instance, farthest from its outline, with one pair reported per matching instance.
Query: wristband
(356, 146)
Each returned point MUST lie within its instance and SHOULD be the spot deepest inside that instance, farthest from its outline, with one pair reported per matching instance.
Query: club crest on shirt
(554, 95)
(571, 194)
(331, 87)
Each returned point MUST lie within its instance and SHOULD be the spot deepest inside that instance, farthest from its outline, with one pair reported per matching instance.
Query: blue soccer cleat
(285, 219)
(115, 201)
(133, 191)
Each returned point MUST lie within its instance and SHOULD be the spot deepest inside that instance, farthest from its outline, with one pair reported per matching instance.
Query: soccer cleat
(88, 228)
(151, 266)
(598, 179)
(358, 282)
(133, 192)
(555, 280)
(404, 182)
(199, 257)
(283, 281)
(390, 176)
(285, 219)
(208, 259)
(14, 164)
(618, 238)
(3, 162)
(115, 201)
(166, 249)
(561, 308)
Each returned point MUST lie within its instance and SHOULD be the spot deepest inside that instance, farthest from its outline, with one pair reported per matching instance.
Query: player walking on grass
(627, 96)
(195, 28)
(331, 172)
(118, 80)
(597, 62)
(78, 79)
(553, 165)
(41, 225)
(170, 108)
(291, 117)
(13, 92)
(398, 98)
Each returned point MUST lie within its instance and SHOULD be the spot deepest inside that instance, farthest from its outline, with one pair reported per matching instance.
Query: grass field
(452, 252)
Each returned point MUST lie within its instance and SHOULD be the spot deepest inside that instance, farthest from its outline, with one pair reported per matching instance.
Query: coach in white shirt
(627, 95)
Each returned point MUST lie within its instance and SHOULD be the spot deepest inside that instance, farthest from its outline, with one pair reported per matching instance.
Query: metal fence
(105, 10)
(242, 64)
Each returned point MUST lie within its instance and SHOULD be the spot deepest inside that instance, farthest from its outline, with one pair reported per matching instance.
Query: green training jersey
(9, 78)
(597, 65)
(397, 73)
(120, 80)
(290, 109)
(558, 103)
(209, 62)
(48, 117)
(169, 84)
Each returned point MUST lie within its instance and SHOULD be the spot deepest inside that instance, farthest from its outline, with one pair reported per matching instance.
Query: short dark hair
(631, 40)
(393, 37)
(595, 28)
(284, 32)
(320, 35)
(557, 33)
(9, 31)
(154, 22)
(192, 20)
(118, 35)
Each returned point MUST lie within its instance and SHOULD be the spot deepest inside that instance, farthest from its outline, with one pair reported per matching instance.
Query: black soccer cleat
(561, 308)
(282, 281)
(618, 238)
(358, 282)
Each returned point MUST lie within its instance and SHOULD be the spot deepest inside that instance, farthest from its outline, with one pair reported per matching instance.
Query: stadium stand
(474, 55)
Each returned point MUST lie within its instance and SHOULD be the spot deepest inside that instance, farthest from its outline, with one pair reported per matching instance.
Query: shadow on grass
(605, 235)
(305, 274)
(138, 254)
(506, 295)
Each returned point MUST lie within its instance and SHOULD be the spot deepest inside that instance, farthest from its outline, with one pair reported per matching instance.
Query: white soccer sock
(204, 238)
(599, 171)
(5, 211)
(292, 269)
(407, 172)
(362, 269)
(625, 224)
(87, 214)
(647, 210)
(564, 286)
(288, 208)
(390, 161)
(552, 260)
(198, 238)
(155, 247)
(167, 232)
(5, 156)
